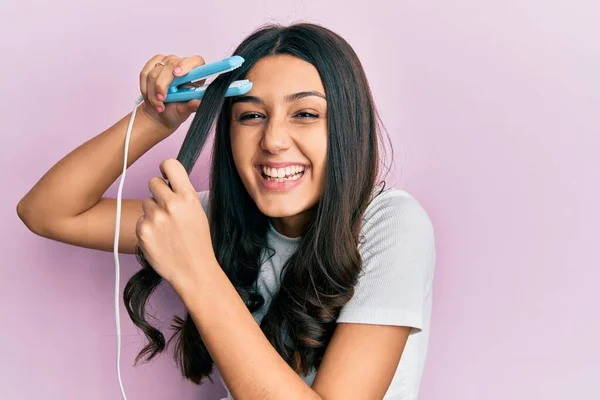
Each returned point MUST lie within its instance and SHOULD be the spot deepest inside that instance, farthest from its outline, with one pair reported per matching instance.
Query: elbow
(28, 216)
(23, 212)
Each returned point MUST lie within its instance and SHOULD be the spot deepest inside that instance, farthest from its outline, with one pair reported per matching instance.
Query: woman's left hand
(173, 233)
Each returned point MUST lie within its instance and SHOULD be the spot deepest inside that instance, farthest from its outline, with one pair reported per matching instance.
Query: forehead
(283, 74)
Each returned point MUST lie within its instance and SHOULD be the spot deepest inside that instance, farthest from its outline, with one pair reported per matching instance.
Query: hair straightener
(178, 93)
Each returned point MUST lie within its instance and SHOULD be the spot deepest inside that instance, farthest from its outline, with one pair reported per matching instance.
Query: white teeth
(290, 173)
(282, 172)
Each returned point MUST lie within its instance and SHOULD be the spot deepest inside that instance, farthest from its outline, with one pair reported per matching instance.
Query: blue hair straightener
(237, 88)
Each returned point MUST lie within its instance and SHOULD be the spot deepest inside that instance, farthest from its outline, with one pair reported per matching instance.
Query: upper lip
(280, 164)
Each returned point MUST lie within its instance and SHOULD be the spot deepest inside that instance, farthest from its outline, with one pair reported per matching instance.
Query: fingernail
(177, 70)
(159, 109)
(160, 97)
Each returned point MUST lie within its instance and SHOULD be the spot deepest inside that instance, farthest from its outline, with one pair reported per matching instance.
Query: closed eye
(306, 115)
(250, 116)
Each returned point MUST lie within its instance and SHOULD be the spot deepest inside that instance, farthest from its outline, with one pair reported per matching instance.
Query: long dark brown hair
(319, 278)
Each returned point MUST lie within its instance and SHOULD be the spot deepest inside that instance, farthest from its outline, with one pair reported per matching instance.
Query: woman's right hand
(154, 83)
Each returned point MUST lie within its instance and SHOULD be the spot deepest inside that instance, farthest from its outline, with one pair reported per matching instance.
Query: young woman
(302, 276)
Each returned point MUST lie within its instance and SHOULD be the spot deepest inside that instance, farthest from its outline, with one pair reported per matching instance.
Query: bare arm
(66, 204)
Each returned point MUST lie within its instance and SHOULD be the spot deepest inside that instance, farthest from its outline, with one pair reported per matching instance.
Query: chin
(278, 208)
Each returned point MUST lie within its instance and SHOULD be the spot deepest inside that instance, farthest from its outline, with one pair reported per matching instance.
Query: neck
(294, 225)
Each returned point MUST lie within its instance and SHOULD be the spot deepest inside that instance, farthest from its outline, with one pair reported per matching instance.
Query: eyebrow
(289, 98)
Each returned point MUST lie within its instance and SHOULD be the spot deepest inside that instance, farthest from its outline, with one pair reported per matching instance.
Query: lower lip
(279, 186)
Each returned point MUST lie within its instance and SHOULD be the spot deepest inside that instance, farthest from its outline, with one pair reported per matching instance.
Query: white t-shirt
(394, 288)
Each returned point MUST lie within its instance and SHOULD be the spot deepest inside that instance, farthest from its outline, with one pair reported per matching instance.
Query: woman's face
(279, 139)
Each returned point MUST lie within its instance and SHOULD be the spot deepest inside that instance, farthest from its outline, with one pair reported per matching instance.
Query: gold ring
(159, 63)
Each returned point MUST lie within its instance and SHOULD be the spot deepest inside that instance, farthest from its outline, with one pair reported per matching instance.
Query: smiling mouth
(290, 173)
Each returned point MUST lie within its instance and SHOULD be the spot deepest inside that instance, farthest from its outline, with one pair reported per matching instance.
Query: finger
(161, 192)
(146, 70)
(177, 176)
(165, 77)
(139, 222)
(151, 83)
(184, 109)
(149, 207)
(192, 105)
(186, 64)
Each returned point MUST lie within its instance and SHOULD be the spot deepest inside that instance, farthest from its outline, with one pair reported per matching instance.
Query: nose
(276, 137)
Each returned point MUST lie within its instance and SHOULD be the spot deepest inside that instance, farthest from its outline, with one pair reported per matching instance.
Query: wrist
(153, 123)
(205, 276)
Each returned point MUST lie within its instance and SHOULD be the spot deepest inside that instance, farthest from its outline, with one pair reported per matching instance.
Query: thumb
(192, 105)
(183, 110)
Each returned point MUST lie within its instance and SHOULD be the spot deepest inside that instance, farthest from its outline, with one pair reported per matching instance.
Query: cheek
(240, 144)
(239, 158)
(316, 151)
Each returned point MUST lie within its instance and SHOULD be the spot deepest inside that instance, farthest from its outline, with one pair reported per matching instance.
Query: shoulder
(392, 211)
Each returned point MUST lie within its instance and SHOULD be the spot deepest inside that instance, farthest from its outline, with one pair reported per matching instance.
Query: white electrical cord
(116, 243)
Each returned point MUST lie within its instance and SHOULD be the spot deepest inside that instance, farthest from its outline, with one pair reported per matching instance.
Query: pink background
(493, 108)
